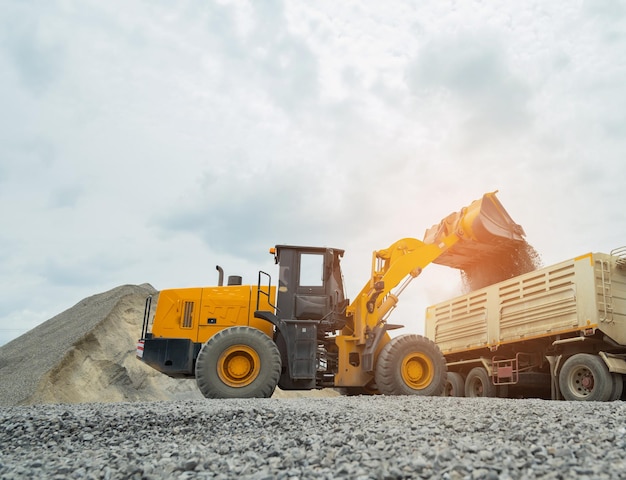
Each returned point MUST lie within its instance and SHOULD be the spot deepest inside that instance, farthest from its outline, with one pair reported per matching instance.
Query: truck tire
(479, 384)
(455, 385)
(411, 365)
(238, 362)
(585, 377)
(618, 387)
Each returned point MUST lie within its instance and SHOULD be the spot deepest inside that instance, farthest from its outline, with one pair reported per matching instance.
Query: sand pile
(87, 354)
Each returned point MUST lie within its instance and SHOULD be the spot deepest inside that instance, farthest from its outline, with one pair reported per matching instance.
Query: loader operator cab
(310, 305)
(310, 285)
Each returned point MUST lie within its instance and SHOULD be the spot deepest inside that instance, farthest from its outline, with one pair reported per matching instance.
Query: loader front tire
(411, 365)
(238, 362)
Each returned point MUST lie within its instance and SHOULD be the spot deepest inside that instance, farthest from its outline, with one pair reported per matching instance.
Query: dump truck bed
(579, 295)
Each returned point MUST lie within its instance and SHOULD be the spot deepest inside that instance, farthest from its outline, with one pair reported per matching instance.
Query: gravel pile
(25, 360)
(87, 354)
(341, 437)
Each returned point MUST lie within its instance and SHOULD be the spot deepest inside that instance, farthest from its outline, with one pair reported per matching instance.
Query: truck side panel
(610, 288)
(538, 303)
(572, 296)
(460, 323)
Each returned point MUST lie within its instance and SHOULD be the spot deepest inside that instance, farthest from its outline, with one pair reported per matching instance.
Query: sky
(149, 141)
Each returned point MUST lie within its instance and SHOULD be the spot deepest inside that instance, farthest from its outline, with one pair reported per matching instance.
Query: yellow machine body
(199, 313)
(318, 338)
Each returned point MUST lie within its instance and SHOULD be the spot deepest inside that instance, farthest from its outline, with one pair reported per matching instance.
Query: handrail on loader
(260, 291)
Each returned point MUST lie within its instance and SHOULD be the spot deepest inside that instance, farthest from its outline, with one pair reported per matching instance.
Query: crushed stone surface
(373, 437)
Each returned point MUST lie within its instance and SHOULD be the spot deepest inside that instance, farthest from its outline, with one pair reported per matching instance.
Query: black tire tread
(388, 376)
(603, 381)
(480, 374)
(263, 386)
(457, 384)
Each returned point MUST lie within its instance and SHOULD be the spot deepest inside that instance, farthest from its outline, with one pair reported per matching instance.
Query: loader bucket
(486, 234)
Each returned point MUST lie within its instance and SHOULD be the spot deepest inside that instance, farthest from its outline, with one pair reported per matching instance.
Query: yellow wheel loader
(244, 340)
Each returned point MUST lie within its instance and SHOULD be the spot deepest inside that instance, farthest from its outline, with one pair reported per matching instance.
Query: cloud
(471, 70)
(67, 196)
(150, 141)
(277, 62)
(611, 11)
(240, 207)
(36, 57)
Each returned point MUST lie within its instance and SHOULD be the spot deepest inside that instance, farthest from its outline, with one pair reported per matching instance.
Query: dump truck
(304, 333)
(560, 329)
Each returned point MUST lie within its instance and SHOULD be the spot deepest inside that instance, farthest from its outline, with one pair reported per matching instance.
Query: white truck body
(535, 322)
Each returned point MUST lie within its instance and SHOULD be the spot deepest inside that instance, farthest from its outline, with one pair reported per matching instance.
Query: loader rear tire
(238, 362)
(479, 384)
(411, 365)
(585, 377)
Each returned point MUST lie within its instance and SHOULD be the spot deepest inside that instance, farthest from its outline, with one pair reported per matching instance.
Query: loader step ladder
(303, 336)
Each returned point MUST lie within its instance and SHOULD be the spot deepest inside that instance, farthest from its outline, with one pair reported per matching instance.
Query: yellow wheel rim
(238, 366)
(417, 370)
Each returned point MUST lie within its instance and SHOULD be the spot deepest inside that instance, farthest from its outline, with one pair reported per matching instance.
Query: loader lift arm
(480, 232)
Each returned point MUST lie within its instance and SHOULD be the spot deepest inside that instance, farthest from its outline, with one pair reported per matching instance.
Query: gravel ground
(341, 437)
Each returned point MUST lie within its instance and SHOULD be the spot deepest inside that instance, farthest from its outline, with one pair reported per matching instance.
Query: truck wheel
(455, 385)
(585, 377)
(618, 387)
(238, 362)
(410, 365)
(479, 384)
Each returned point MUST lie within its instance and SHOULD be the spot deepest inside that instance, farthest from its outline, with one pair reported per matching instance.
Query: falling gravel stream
(340, 437)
